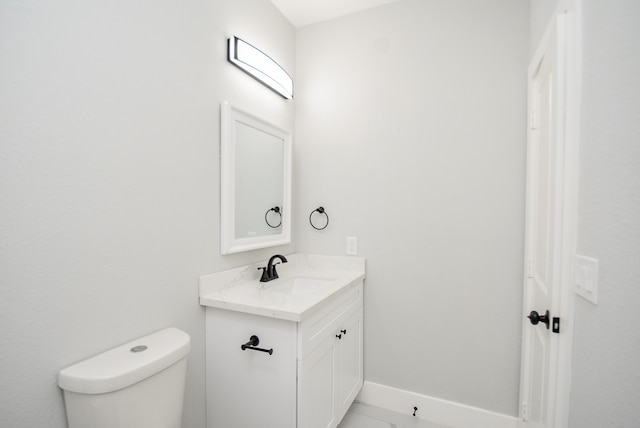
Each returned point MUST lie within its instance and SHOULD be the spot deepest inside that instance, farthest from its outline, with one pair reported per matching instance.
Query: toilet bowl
(139, 384)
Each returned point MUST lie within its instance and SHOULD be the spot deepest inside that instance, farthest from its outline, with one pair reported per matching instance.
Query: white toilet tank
(139, 384)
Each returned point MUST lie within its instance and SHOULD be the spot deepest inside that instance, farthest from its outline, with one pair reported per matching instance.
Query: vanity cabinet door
(349, 362)
(330, 375)
(316, 387)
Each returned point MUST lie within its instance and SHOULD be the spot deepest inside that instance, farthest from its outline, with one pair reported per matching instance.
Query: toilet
(139, 384)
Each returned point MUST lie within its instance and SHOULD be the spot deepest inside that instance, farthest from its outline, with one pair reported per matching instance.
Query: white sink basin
(298, 285)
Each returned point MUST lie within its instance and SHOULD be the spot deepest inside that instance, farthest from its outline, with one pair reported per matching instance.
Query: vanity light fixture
(260, 66)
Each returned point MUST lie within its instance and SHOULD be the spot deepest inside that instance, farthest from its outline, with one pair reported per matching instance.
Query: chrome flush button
(138, 348)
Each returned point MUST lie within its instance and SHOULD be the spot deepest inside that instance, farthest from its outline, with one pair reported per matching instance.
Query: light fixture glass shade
(260, 66)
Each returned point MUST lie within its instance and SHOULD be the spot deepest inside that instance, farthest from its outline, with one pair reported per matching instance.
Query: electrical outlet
(352, 246)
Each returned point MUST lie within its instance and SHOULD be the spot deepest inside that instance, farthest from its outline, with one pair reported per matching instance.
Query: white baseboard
(431, 409)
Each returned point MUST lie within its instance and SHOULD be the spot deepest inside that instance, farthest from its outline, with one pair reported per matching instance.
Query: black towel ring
(321, 211)
(277, 211)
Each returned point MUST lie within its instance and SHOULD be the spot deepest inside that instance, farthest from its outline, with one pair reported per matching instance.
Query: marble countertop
(240, 289)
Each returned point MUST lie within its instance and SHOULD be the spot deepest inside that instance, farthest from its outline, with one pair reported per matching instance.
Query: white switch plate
(352, 246)
(586, 278)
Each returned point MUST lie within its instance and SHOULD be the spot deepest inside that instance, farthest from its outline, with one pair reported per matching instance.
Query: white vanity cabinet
(330, 376)
(310, 379)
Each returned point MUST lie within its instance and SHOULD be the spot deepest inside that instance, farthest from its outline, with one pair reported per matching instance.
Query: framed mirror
(255, 166)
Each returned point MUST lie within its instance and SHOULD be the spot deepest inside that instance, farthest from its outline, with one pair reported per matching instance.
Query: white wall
(605, 389)
(410, 131)
(109, 179)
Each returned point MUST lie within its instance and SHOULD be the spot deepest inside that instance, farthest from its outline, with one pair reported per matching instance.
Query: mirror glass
(255, 182)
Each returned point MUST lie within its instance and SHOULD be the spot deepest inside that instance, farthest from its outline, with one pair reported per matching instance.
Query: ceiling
(306, 12)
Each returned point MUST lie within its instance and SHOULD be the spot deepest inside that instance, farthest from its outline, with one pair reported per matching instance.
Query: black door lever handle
(536, 318)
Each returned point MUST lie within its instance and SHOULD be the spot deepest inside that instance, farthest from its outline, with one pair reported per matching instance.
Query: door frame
(566, 23)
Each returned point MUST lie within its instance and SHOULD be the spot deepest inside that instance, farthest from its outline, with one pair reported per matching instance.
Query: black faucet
(269, 273)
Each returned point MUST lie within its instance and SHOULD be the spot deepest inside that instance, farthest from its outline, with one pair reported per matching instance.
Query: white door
(544, 230)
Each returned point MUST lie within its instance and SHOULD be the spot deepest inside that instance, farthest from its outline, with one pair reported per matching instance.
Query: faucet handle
(265, 274)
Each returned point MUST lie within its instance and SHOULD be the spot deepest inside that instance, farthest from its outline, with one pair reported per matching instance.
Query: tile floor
(364, 416)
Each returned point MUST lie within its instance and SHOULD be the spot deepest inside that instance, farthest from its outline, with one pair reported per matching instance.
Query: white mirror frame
(229, 243)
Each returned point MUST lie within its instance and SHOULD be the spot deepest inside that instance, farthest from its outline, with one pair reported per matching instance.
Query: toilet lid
(127, 364)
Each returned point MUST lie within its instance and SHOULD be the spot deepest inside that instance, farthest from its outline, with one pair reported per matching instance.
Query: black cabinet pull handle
(343, 332)
(252, 343)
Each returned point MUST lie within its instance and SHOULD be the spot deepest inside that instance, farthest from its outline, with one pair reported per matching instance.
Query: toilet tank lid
(127, 364)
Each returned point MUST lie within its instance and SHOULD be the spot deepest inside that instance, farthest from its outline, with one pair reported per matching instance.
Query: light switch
(586, 278)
